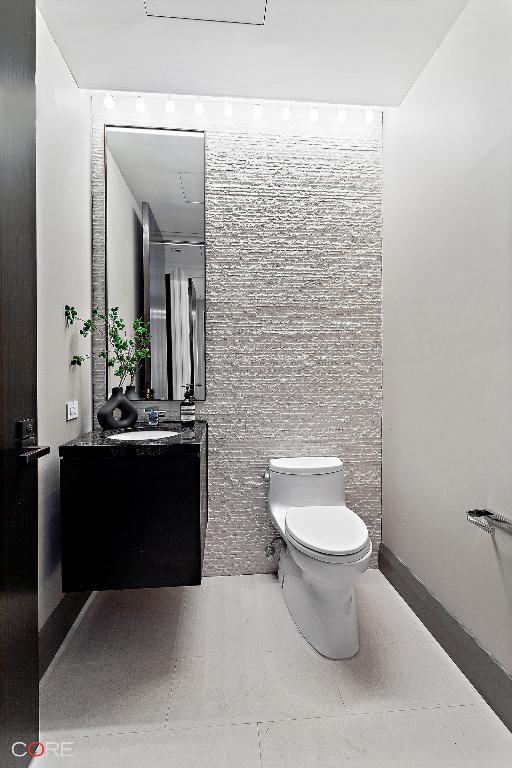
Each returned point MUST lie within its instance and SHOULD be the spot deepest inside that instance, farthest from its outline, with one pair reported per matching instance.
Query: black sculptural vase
(131, 393)
(129, 413)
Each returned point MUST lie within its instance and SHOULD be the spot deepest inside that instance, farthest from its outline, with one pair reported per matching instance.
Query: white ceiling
(166, 170)
(341, 51)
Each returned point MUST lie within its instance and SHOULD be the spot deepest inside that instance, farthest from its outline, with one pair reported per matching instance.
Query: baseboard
(57, 626)
(490, 680)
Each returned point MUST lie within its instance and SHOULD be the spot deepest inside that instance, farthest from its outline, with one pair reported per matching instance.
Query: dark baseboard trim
(490, 680)
(57, 626)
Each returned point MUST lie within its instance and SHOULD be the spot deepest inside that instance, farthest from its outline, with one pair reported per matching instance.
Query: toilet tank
(304, 481)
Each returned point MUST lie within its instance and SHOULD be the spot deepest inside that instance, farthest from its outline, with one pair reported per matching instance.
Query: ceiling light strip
(243, 109)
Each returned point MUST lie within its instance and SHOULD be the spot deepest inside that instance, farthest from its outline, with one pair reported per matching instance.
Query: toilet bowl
(327, 548)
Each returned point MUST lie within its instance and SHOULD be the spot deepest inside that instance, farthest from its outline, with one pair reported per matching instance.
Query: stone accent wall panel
(294, 356)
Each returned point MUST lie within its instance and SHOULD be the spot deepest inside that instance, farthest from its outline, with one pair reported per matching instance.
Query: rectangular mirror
(155, 252)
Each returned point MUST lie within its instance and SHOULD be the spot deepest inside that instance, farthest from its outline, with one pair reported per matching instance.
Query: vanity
(134, 508)
(134, 503)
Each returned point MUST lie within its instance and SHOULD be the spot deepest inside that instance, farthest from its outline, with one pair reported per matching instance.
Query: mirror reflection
(155, 251)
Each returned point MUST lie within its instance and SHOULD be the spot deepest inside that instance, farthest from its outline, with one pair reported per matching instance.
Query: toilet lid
(306, 465)
(331, 530)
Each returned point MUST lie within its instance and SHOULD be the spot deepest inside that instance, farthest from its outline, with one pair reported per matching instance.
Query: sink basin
(143, 435)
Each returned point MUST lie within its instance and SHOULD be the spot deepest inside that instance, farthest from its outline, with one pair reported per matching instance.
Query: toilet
(327, 548)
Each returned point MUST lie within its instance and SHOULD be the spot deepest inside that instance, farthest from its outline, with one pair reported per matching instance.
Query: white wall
(447, 430)
(124, 245)
(64, 277)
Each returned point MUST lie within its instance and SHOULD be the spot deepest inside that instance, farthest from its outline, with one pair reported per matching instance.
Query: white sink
(143, 435)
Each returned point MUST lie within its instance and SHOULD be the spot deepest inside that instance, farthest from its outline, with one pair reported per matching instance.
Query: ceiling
(166, 170)
(341, 51)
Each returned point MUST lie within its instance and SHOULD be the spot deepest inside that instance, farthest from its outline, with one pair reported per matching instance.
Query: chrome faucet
(153, 416)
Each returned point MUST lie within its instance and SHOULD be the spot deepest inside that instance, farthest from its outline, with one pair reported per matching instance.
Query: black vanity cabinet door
(132, 521)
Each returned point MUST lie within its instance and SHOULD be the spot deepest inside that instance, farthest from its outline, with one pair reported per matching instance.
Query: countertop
(99, 440)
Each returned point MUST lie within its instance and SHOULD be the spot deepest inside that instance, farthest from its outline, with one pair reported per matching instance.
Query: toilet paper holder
(488, 521)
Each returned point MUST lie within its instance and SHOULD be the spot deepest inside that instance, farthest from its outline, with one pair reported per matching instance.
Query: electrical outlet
(72, 410)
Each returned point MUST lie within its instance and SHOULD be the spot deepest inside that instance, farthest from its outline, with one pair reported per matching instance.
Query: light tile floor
(218, 676)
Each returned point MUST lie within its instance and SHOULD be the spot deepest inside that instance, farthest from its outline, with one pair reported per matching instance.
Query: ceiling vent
(225, 11)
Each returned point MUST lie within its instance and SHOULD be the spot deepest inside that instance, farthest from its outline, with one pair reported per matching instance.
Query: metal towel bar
(488, 521)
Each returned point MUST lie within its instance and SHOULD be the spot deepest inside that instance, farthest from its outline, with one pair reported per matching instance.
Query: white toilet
(327, 547)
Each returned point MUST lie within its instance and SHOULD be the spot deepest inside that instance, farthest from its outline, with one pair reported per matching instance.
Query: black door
(19, 695)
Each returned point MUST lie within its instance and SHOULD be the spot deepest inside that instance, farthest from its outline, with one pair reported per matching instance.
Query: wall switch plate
(72, 410)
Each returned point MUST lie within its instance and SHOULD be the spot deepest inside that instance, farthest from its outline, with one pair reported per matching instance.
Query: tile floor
(217, 676)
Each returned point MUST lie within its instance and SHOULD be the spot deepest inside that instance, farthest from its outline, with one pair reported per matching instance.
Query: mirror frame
(147, 367)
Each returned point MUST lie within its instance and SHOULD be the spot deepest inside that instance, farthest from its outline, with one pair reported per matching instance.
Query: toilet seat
(351, 559)
(327, 533)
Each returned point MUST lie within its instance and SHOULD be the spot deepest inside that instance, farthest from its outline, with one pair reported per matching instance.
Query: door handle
(36, 452)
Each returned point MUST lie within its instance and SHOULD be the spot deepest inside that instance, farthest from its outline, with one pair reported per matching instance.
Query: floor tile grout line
(104, 647)
(338, 688)
(284, 650)
(379, 713)
(170, 693)
(259, 744)
(91, 735)
(453, 706)
(169, 700)
(451, 736)
(303, 649)
(233, 723)
(157, 730)
(102, 734)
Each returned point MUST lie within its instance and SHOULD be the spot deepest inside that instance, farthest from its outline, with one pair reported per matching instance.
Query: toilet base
(324, 614)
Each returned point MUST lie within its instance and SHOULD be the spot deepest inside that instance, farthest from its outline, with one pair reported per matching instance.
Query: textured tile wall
(294, 366)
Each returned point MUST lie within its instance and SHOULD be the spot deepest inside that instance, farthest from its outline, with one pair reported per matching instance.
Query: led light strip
(232, 108)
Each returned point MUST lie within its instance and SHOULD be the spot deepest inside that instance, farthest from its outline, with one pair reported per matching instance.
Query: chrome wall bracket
(488, 521)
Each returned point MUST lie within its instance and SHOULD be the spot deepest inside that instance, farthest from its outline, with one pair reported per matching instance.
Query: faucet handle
(152, 416)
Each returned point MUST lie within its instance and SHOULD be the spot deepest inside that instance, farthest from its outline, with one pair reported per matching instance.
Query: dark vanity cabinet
(133, 514)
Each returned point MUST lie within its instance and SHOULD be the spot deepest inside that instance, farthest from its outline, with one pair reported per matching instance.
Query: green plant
(124, 352)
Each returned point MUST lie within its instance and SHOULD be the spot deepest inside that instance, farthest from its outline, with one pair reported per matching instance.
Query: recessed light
(342, 115)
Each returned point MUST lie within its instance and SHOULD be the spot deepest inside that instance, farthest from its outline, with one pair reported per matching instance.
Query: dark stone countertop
(99, 440)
